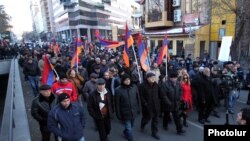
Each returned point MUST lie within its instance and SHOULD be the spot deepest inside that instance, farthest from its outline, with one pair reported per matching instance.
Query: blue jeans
(128, 125)
(233, 95)
(34, 82)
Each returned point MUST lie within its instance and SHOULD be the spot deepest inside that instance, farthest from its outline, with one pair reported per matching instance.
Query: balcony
(158, 19)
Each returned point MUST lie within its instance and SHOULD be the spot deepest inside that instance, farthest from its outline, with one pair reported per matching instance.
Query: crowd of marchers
(102, 84)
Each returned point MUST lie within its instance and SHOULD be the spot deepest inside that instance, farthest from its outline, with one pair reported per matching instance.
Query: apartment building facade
(183, 21)
(82, 17)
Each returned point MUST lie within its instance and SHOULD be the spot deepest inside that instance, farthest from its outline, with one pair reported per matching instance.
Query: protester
(100, 107)
(40, 108)
(186, 97)
(90, 86)
(150, 103)
(65, 86)
(171, 93)
(127, 105)
(32, 72)
(67, 120)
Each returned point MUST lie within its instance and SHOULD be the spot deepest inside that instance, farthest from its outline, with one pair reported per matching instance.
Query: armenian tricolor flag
(129, 41)
(163, 51)
(48, 76)
(107, 43)
(77, 50)
(143, 54)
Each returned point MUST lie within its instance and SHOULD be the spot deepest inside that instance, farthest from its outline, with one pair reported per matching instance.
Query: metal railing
(14, 123)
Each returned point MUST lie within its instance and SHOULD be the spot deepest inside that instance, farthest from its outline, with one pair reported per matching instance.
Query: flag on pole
(107, 43)
(77, 50)
(163, 51)
(143, 54)
(129, 41)
(48, 76)
(110, 44)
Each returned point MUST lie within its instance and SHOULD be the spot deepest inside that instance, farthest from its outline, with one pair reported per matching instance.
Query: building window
(169, 9)
(155, 8)
(152, 46)
(222, 32)
(223, 22)
(179, 48)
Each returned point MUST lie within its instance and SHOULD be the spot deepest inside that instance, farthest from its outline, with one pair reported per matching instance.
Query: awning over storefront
(178, 30)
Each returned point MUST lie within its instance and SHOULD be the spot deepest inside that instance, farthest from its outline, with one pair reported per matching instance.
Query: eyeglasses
(185, 78)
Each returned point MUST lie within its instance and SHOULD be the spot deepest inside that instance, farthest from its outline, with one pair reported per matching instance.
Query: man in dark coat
(32, 71)
(150, 103)
(127, 104)
(100, 107)
(171, 95)
(206, 99)
(67, 119)
(40, 108)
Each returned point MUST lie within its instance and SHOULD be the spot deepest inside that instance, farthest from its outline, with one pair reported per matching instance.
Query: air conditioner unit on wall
(176, 3)
(177, 15)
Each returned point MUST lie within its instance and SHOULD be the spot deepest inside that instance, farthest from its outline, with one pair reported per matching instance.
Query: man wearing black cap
(40, 108)
(101, 109)
(127, 104)
(150, 103)
(67, 120)
(170, 94)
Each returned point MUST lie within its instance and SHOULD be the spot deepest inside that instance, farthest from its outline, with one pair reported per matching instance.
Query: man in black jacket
(32, 71)
(40, 108)
(170, 94)
(127, 104)
(150, 103)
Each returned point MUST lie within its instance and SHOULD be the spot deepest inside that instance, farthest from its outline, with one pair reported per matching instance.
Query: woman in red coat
(186, 97)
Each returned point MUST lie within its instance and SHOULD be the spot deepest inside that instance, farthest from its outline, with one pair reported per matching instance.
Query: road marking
(195, 124)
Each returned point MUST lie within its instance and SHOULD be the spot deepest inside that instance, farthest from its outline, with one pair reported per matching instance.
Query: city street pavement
(193, 133)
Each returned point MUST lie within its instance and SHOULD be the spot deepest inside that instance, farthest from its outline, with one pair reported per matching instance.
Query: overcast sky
(20, 14)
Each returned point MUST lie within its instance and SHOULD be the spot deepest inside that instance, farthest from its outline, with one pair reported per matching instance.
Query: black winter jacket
(127, 102)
